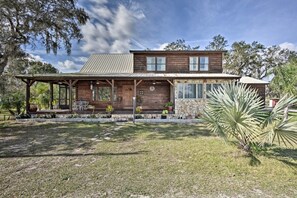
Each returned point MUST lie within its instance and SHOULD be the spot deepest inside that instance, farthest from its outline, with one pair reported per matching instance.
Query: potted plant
(138, 111)
(109, 109)
(169, 106)
(164, 114)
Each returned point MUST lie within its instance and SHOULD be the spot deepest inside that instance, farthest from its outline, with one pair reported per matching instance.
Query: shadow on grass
(39, 139)
(75, 154)
(178, 131)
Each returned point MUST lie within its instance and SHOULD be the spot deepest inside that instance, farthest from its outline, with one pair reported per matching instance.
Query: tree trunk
(3, 63)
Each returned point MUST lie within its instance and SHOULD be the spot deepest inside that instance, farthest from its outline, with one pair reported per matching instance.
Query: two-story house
(153, 77)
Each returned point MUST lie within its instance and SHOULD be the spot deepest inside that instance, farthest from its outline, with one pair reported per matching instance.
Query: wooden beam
(59, 95)
(112, 91)
(70, 95)
(135, 85)
(28, 97)
(66, 82)
(138, 83)
(51, 89)
(172, 84)
(109, 82)
(74, 82)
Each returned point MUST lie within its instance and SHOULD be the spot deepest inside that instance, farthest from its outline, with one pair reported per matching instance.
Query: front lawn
(126, 160)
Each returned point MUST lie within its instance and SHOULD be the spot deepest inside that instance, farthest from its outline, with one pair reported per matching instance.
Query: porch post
(28, 96)
(51, 95)
(70, 95)
(59, 96)
(135, 85)
(112, 92)
(172, 91)
(29, 83)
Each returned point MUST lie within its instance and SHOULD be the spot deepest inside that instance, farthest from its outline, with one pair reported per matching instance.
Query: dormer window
(156, 63)
(193, 63)
(203, 66)
(198, 63)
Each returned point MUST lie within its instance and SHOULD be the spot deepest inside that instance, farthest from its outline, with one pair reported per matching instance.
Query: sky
(117, 26)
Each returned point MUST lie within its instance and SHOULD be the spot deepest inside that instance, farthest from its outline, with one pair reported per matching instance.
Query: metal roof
(125, 76)
(249, 80)
(177, 51)
(108, 63)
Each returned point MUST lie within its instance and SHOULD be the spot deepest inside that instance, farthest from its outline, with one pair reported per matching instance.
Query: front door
(127, 96)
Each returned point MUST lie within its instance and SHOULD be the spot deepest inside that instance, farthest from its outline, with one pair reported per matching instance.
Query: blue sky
(116, 26)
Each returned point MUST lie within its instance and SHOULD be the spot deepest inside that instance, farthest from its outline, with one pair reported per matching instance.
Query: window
(216, 86)
(104, 93)
(200, 90)
(180, 88)
(161, 63)
(210, 87)
(190, 91)
(203, 66)
(156, 63)
(150, 63)
(193, 63)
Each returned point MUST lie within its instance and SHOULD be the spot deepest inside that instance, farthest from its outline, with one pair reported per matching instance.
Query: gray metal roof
(108, 63)
(249, 80)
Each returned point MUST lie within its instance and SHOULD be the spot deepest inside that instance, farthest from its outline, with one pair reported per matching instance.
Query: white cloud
(67, 65)
(81, 59)
(114, 30)
(35, 57)
(161, 46)
(287, 45)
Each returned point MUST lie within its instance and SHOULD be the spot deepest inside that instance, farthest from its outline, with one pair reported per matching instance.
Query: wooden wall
(150, 99)
(179, 62)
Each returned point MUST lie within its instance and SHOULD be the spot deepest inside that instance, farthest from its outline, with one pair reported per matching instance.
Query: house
(153, 77)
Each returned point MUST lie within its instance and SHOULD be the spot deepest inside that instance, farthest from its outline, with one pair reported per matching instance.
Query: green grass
(5, 115)
(126, 160)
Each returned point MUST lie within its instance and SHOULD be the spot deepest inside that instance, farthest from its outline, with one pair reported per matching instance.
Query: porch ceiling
(124, 76)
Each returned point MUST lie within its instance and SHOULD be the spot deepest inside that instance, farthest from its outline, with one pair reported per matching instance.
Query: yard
(126, 160)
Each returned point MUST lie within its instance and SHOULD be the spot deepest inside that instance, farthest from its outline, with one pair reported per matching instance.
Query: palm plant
(235, 111)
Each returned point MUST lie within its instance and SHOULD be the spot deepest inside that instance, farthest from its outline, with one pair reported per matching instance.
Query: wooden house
(153, 77)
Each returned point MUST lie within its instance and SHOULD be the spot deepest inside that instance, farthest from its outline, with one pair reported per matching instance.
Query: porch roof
(250, 80)
(124, 76)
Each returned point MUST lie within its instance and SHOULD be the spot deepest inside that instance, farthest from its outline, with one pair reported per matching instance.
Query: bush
(12, 101)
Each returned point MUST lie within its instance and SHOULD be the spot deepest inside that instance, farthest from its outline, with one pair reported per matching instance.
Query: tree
(285, 79)
(53, 24)
(179, 44)
(234, 111)
(218, 43)
(255, 60)
(12, 101)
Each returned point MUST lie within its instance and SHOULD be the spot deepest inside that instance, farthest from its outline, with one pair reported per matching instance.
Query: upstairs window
(203, 66)
(193, 63)
(156, 63)
(151, 63)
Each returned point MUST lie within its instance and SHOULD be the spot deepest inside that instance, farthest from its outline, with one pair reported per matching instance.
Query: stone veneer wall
(193, 107)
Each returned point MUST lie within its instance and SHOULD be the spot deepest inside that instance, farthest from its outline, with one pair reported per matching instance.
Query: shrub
(235, 111)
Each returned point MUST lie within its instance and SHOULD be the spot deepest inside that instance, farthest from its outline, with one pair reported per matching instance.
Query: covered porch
(89, 94)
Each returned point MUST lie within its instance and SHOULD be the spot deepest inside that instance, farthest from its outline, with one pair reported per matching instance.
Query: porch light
(91, 85)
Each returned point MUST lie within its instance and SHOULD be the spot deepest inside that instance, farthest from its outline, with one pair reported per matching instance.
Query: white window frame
(191, 64)
(200, 64)
(155, 65)
(184, 91)
(152, 65)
